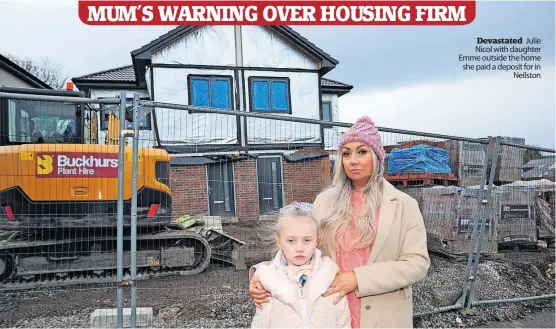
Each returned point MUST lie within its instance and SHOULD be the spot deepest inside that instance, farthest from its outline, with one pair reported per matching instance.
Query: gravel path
(537, 320)
(218, 297)
(518, 274)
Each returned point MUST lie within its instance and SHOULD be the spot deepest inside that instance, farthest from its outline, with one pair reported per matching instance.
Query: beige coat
(294, 307)
(398, 259)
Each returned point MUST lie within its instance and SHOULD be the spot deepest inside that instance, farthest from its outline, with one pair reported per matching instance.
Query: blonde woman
(373, 231)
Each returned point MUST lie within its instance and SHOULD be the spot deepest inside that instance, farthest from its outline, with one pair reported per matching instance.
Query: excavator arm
(113, 133)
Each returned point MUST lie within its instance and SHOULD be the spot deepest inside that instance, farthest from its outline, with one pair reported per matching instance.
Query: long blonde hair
(338, 200)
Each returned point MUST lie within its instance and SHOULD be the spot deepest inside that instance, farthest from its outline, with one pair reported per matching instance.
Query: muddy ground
(218, 297)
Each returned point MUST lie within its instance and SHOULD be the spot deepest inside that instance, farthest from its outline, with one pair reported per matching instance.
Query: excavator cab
(39, 121)
(49, 122)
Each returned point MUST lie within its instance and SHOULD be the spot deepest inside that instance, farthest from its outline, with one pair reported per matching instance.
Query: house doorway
(221, 189)
(269, 174)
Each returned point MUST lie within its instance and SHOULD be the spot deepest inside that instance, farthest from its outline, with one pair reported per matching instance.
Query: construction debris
(550, 271)
(219, 297)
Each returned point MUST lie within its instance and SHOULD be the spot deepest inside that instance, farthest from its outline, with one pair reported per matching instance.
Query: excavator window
(42, 122)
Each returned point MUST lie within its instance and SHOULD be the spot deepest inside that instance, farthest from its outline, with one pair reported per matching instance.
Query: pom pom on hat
(364, 131)
(365, 119)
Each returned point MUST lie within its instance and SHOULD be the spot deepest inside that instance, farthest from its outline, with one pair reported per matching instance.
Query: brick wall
(247, 192)
(303, 181)
(189, 190)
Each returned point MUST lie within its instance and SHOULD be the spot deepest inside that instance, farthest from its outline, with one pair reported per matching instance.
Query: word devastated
(517, 56)
(267, 13)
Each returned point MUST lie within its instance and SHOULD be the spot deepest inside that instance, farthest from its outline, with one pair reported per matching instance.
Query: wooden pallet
(519, 246)
(422, 179)
(550, 241)
(462, 258)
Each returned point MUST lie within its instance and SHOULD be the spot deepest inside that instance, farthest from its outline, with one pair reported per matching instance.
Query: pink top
(348, 260)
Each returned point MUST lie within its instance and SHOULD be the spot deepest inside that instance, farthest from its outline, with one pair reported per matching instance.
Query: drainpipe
(240, 82)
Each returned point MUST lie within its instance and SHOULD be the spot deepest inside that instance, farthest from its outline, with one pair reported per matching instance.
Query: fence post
(474, 234)
(120, 221)
(485, 203)
(135, 168)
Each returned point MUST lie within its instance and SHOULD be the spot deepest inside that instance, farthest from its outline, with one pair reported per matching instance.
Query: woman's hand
(344, 283)
(257, 293)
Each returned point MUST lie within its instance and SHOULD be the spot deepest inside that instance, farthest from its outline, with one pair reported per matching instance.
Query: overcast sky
(403, 77)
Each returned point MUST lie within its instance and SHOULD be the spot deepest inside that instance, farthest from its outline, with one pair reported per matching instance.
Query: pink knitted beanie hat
(364, 131)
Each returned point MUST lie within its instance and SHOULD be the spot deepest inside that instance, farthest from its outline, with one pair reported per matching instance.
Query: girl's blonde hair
(338, 200)
(270, 229)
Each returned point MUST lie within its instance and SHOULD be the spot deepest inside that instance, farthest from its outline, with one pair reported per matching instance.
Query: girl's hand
(257, 293)
(343, 284)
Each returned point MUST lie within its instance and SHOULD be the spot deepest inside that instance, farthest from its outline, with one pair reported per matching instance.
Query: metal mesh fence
(521, 195)
(58, 205)
(193, 188)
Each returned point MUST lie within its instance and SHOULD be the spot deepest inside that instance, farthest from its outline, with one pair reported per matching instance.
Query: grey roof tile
(122, 73)
(126, 73)
(325, 82)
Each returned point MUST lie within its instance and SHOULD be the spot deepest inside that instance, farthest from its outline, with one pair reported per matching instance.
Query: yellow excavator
(59, 193)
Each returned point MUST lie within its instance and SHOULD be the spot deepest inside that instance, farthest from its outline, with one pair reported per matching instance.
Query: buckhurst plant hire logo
(77, 165)
(44, 164)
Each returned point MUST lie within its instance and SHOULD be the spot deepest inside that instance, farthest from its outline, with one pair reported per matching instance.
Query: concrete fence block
(106, 317)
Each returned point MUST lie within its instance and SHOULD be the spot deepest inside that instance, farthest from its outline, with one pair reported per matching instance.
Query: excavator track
(27, 262)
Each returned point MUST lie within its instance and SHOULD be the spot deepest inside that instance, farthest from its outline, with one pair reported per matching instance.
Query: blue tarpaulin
(418, 159)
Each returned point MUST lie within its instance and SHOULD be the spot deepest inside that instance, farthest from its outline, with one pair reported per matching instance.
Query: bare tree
(43, 69)
(531, 155)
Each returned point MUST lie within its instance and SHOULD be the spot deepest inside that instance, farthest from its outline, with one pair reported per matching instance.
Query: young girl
(298, 276)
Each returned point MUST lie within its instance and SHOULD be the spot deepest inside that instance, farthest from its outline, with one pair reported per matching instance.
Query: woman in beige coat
(373, 231)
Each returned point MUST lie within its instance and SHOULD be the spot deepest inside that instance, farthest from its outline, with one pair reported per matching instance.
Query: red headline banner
(327, 12)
